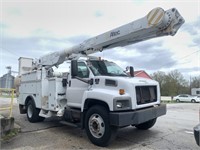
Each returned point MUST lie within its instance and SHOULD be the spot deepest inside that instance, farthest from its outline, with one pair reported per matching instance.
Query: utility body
(97, 94)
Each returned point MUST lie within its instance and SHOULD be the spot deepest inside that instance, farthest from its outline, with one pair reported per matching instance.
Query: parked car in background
(186, 98)
(198, 98)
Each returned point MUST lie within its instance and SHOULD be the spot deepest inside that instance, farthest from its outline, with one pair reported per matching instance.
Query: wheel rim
(96, 126)
(30, 111)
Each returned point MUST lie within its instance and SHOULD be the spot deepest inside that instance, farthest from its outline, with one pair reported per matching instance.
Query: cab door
(76, 88)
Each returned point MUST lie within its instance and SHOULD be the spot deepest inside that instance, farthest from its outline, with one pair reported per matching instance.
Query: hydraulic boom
(156, 23)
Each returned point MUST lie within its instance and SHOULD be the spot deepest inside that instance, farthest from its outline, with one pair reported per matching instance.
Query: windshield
(106, 68)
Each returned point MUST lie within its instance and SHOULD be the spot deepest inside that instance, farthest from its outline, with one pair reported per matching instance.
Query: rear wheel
(177, 100)
(146, 125)
(33, 112)
(97, 126)
(193, 101)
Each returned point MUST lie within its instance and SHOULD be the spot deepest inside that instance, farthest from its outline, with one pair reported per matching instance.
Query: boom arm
(156, 23)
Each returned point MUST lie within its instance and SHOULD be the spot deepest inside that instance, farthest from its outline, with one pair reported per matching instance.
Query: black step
(77, 125)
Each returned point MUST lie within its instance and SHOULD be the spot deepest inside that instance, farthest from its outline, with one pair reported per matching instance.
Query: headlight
(122, 104)
(119, 105)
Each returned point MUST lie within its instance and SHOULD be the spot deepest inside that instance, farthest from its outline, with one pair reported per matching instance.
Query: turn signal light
(121, 91)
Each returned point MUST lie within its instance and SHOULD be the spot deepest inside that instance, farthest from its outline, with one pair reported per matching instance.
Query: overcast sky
(32, 28)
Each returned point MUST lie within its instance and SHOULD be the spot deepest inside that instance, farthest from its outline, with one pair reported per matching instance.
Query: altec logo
(114, 33)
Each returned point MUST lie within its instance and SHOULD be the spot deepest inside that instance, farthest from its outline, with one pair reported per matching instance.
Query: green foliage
(10, 135)
(195, 82)
(172, 84)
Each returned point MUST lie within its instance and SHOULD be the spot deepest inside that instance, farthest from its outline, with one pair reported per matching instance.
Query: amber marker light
(121, 91)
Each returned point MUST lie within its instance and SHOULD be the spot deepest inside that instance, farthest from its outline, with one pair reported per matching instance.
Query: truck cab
(106, 81)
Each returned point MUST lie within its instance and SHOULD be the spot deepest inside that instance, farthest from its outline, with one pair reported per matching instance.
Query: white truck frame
(96, 94)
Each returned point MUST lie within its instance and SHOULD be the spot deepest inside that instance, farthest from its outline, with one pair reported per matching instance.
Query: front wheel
(97, 126)
(33, 112)
(193, 101)
(177, 100)
(146, 125)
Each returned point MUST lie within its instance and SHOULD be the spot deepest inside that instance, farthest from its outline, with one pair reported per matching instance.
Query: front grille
(146, 94)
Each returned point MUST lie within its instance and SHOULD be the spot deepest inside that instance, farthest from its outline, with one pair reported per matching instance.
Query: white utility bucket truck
(95, 94)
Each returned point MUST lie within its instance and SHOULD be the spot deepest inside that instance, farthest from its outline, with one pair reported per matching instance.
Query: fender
(29, 97)
(22, 107)
(105, 95)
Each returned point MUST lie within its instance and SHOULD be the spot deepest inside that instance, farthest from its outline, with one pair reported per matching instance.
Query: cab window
(83, 71)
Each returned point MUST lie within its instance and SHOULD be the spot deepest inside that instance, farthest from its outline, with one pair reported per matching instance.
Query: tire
(97, 126)
(33, 113)
(177, 100)
(193, 101)
(146, 125)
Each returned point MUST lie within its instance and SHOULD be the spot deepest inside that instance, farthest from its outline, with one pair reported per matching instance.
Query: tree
(177, 83)
(171, 84)
(161, 78)
(195, 82)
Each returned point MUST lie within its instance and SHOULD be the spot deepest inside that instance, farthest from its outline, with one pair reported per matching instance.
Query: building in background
(141, 73)
(7, 80)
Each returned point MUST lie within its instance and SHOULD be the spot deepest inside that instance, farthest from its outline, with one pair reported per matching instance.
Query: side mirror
(131, 71)
(74, 68)
(91, 82)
